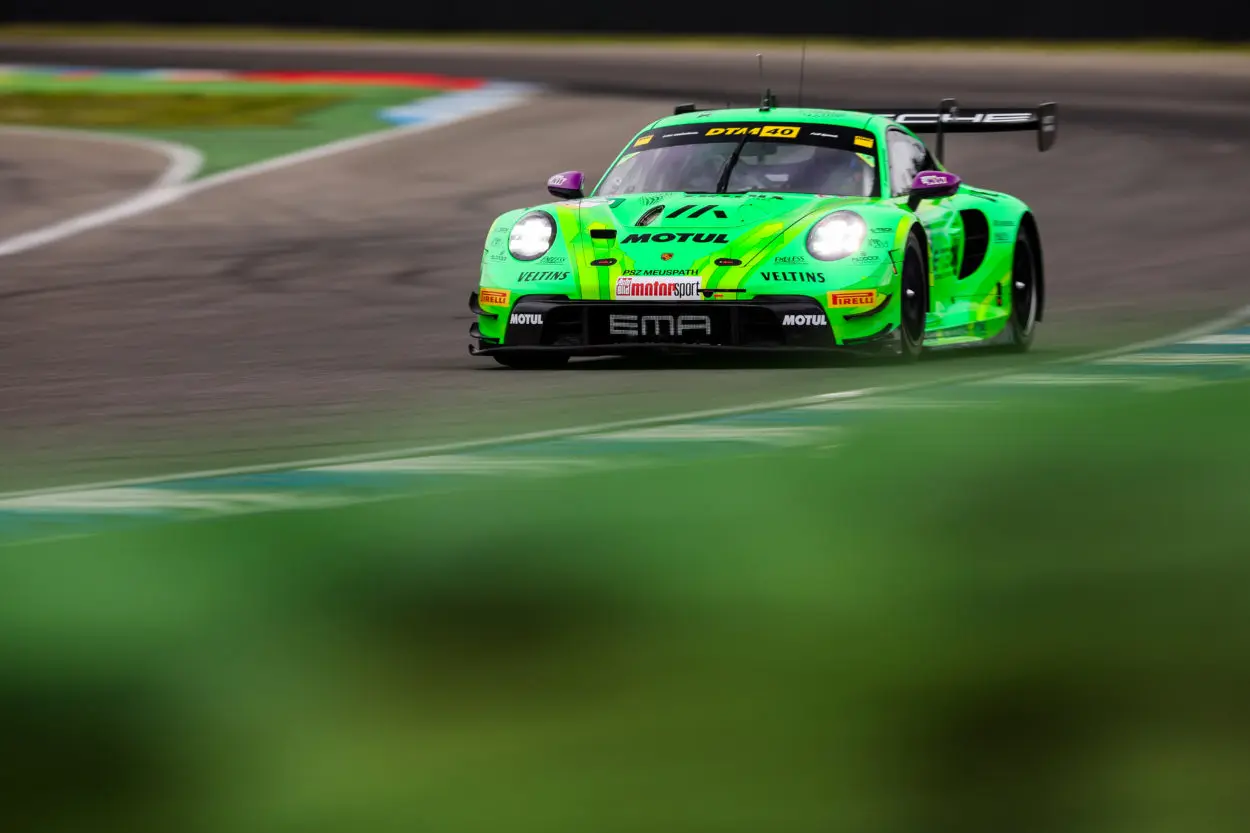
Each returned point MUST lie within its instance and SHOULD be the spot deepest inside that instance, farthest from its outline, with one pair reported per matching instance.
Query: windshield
(736, 159)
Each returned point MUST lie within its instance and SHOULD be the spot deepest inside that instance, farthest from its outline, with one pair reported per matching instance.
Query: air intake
(650, 215)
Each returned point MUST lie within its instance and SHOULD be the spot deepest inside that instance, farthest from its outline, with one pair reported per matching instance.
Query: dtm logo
(805, 321)
(659, 325)
(529, 318)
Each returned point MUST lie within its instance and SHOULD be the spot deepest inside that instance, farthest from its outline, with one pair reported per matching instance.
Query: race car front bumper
(776, 323)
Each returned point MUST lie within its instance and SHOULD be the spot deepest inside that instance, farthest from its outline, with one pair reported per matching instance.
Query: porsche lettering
(951, 118)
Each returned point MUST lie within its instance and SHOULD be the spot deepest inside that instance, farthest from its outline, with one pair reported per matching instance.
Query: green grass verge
(156, 111)
(260, 34)
(1025, 619)
(230, 124)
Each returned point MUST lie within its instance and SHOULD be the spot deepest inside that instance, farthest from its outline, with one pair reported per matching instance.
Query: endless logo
(659, 289)
(800, 277)
(805, 321)
(525, 318)
(669, 237)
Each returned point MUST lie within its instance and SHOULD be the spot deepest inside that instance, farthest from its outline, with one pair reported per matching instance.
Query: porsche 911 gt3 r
(769, 229)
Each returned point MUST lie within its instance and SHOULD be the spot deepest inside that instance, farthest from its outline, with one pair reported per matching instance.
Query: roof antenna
(802, 66)
(770, 101)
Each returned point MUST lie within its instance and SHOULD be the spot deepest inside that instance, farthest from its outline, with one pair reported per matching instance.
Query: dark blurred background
(900, 18)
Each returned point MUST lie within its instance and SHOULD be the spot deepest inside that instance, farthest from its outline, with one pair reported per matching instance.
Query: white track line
(173, 185)
(184, 163)
(494, 96)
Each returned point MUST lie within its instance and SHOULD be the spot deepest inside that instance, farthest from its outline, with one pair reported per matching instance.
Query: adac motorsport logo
(659, 289)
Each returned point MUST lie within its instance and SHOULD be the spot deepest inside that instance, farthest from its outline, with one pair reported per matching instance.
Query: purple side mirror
(567, 186)
(933, 185)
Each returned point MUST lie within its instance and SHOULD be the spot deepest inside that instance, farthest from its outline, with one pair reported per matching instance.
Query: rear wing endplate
(949, 117)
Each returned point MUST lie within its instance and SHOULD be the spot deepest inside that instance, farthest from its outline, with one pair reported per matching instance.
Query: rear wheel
(913, 310)
(1025, 295)
(532, 361)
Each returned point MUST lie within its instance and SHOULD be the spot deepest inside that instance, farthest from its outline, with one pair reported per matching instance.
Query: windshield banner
(823, 135)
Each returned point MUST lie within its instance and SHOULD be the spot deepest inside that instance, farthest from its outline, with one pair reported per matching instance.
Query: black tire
(532, 361)
(914, 302)
(1025, 295)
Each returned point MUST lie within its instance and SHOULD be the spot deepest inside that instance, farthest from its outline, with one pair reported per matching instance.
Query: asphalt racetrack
(321, 309)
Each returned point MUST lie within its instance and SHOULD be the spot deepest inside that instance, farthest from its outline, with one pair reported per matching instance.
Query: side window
(908, 157)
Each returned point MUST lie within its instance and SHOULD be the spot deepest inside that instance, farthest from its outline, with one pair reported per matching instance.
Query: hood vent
(649, 216)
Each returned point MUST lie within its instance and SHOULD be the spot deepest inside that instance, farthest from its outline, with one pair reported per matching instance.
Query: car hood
(687, 212)
(682, 233)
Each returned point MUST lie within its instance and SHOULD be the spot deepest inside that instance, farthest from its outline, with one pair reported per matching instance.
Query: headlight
(532, 236)
(837, 236)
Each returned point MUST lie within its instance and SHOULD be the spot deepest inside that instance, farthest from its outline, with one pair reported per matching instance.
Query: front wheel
(532, 361)
(1025, 292)
(914, 307)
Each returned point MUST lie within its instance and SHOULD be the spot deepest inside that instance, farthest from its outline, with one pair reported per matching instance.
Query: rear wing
(949, 117)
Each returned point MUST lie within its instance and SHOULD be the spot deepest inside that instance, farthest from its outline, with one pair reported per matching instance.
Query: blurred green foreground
(1024, 620)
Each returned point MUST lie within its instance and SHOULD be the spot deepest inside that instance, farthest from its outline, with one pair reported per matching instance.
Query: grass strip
(1028, 618)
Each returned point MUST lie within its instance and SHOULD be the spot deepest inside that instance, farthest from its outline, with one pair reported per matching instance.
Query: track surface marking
(183, 163)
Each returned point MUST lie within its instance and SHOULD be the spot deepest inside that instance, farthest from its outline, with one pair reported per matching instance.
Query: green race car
(769, 229)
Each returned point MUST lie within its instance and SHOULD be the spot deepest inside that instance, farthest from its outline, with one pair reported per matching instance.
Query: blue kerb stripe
(1202, 348)
(804, 416)
(295, 479)
(16, 526)
(611, 450)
